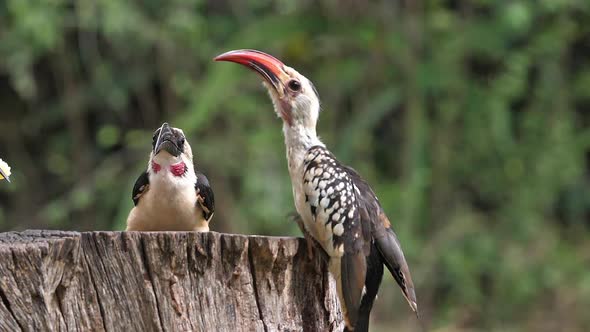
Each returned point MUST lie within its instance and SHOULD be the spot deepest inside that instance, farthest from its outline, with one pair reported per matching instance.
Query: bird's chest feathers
(171, 200)
(172, 186)
(173, 193)
(296, 160)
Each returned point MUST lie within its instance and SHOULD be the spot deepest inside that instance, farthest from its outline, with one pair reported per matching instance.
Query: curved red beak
(269, 67)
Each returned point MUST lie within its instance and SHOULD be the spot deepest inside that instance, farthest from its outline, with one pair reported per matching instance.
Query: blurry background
(469, 118)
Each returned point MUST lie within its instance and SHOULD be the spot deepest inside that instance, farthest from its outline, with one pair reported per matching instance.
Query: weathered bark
(117, 281)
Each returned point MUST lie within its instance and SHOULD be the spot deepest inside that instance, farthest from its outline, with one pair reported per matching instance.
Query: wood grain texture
(165, 281)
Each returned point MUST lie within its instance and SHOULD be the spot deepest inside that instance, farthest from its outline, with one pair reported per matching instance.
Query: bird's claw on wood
(309, 241)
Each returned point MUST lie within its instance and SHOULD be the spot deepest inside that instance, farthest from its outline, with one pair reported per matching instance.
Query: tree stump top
(162, 281)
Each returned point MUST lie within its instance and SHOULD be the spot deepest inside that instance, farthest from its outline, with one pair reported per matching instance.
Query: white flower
(4, 170)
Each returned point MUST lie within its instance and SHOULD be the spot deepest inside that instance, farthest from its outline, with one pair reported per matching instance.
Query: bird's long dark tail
(394, 259)
(372, 283)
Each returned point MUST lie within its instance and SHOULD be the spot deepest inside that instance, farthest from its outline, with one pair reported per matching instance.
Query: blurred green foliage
(470, 119)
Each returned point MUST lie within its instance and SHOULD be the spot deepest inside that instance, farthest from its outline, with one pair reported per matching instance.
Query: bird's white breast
(170, 204)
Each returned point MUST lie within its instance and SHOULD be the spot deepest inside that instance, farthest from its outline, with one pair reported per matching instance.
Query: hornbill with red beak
(337, 207)
(171, 195)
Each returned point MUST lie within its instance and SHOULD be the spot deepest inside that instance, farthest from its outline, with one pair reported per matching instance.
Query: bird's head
(170, 149)
(294, 97)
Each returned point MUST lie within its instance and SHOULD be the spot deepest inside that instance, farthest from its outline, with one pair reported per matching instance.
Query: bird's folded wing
(205, 197)
(385, 239)
(142, 185)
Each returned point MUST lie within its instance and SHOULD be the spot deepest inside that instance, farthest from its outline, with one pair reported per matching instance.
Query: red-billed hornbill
(171, 195)
(337, 207)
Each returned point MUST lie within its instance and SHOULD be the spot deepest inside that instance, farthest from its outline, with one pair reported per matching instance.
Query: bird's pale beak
(269, 67)
(166, 141)
(4, 175)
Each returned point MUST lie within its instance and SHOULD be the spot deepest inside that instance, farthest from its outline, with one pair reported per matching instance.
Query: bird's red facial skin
(286, 112)
(156, 167)
(178, 169)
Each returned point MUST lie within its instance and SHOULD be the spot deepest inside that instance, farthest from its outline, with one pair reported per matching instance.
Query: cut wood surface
(167, 281)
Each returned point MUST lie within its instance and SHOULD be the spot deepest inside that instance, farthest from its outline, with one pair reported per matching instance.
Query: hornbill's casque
(338, 208)
(171, 195)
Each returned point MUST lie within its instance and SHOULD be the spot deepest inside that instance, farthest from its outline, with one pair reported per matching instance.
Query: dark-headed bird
(171, 195)
(337, 207)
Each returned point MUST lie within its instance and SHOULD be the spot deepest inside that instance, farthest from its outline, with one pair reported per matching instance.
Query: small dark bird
(171, 195)
(337, 207)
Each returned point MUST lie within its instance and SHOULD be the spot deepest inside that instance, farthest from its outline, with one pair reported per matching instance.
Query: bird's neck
(165, 165)
(298, 139)
(178, 169)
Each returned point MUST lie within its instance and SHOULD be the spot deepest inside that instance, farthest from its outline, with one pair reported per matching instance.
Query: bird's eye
(294, 85)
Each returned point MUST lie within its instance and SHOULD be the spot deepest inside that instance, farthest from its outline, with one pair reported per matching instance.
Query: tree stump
(166, 281)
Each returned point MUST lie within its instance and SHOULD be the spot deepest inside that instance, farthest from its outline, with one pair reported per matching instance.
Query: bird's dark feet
(311, 243)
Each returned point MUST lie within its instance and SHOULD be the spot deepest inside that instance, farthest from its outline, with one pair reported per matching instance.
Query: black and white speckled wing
(142, 185)
(352, 218)
(333, 200)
